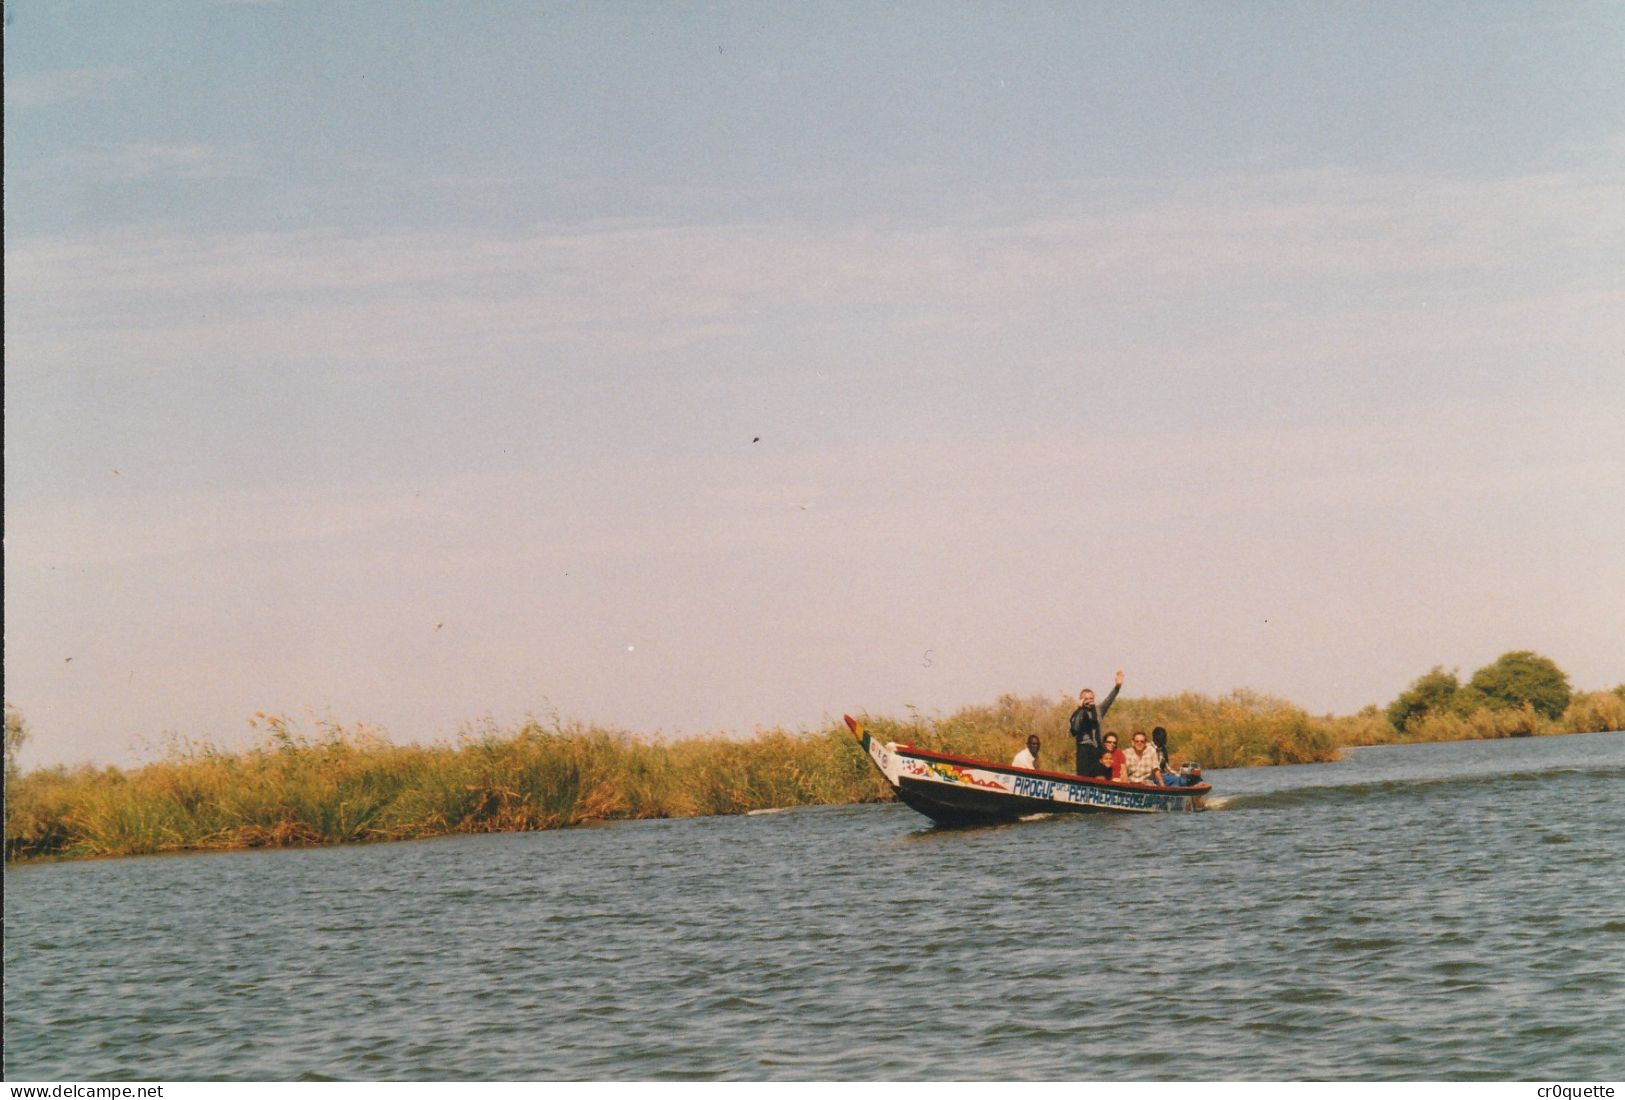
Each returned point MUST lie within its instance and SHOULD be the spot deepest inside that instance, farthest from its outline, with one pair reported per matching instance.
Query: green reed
(332, 784)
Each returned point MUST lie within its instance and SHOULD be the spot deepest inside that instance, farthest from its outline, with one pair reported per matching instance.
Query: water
(1436, 911)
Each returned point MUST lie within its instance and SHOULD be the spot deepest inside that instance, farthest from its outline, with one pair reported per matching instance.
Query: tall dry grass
(1595, 711)
(1239, 730)
(337, 785)
(1587, 712)
(334, 785)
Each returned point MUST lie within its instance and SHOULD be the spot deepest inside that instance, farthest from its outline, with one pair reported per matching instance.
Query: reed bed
(331, 784)
(338, 785)
(1587, 712)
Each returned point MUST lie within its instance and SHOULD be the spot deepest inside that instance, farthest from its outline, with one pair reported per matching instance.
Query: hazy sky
(689, 367)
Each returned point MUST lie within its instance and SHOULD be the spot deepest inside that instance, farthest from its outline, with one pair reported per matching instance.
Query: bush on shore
(1519, 681)
(1587, 712)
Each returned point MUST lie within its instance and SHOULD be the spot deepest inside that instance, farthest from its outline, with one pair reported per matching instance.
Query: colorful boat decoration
(953, 790)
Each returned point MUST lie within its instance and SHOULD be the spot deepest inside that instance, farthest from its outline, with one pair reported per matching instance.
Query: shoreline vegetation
(332, 784)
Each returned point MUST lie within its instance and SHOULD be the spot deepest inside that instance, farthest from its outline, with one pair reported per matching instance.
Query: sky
(697, 367)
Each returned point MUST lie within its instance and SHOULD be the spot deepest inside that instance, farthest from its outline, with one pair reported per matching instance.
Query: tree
(1522, 678)
(1433, 692)
(15, 736)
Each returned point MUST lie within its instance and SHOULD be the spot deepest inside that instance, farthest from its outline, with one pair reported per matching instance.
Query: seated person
(1159, 740)
(1111, 759)
(1186, 776)
(1027, 757)
(1140, 762)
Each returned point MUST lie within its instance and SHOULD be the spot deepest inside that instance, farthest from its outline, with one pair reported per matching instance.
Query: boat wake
(1333, 793)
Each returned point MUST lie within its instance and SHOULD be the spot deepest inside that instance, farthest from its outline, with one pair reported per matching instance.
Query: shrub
(1434, 692)
(1523, 678)
(16, 735)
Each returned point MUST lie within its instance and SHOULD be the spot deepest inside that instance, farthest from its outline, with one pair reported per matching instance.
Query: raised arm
(1112, 698)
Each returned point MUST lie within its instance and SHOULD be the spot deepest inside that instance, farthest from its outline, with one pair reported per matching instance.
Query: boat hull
(953, 790)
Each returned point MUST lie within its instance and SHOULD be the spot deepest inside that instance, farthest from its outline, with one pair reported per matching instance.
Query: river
(1451, 911)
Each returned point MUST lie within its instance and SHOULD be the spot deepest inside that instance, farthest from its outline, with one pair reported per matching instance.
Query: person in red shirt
(1111, 758)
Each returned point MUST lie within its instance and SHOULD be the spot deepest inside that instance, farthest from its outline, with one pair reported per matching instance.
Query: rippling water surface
(1433, 911)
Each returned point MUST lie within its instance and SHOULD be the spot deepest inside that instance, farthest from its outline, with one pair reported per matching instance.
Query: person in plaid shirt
(1140, 762)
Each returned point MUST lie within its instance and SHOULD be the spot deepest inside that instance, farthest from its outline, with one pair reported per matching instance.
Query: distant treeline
(330, 784)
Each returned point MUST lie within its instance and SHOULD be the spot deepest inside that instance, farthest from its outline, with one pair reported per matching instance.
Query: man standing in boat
(1085, 727)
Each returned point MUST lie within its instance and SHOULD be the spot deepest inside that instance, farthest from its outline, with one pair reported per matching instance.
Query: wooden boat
(954, 790)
